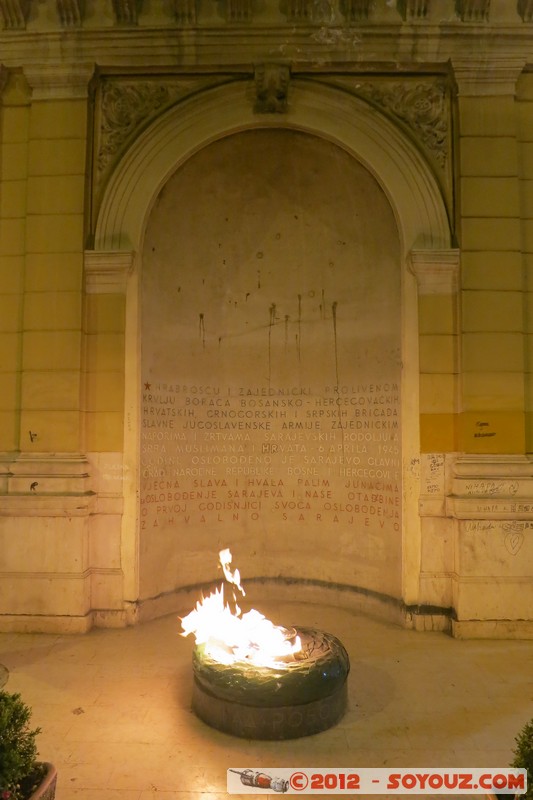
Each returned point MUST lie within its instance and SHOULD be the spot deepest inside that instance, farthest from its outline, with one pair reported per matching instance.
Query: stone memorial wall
(270, 397)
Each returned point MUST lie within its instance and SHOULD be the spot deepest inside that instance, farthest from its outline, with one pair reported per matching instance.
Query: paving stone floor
(114, 706)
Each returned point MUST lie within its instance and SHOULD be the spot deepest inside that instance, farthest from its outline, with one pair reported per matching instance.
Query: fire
(230, 636)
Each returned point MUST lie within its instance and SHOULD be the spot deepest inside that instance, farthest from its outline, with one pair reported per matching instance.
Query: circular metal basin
(305, 696)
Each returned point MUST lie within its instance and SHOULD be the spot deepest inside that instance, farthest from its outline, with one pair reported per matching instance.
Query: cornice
(494, 76)
(436, 271)
(309, 47)
(65, 80)
(107, 272)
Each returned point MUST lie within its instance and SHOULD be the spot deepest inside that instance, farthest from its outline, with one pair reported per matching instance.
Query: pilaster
(437, 275)
(106, 272)
(493, 324)
(491, 499)
(59, 81)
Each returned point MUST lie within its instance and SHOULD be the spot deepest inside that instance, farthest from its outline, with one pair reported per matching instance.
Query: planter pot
(47, 788)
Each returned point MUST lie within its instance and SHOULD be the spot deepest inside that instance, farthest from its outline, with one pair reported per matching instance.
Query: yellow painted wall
(61, 352)
(525, 157)
(61, 365)
(491, 404)
(15, 122)
(438, 372)
(51, 383)
(104, 361)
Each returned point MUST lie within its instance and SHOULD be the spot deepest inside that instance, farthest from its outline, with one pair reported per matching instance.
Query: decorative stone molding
(386, 150)
(436, 271)
(525, 9)
(422, 106)
(46, 475)
(126, 11)
(70, 13)
(299, 10)
(51, 81)
(239, 10)
(107, 272)
(413, 9)
(14, 13)
(488, 77)
(124, 107)
(492, 488)
(473, 10)
(185, 12)
(356, 10)
(5, 472)
(271, 88)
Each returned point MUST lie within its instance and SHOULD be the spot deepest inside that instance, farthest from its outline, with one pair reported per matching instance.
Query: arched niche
(329, 113)
(417, 206)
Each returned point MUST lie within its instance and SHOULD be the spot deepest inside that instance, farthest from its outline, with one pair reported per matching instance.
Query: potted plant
(523, 759)
(22, 775)
(523, 756)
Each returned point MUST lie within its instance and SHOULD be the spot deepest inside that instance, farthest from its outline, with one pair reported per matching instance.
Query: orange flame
(230, 637)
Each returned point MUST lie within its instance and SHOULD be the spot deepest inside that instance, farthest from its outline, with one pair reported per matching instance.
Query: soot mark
(323, 306)
(334, 318)
(335, 341)
(299, 334)
(271, 323)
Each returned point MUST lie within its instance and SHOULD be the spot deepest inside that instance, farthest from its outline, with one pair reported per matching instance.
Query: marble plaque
(271, 367)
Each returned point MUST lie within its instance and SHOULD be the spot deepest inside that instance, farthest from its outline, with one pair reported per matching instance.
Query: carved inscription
(271, 365)
(218, 454)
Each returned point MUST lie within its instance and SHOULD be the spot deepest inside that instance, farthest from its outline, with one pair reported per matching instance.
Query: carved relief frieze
(413, 9)
(239, 10)
(272, 86)
(124, 107)
(420, 105)
(70, 12)
(14, 13)
(525, 9)
(473, 10)
(126, 11)
(423, 107)
(356, 10)
(185, 12)
(299, 10)
(317, 11)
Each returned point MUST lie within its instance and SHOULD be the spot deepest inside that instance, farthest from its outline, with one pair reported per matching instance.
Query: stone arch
(421, 218)
(333, 114)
